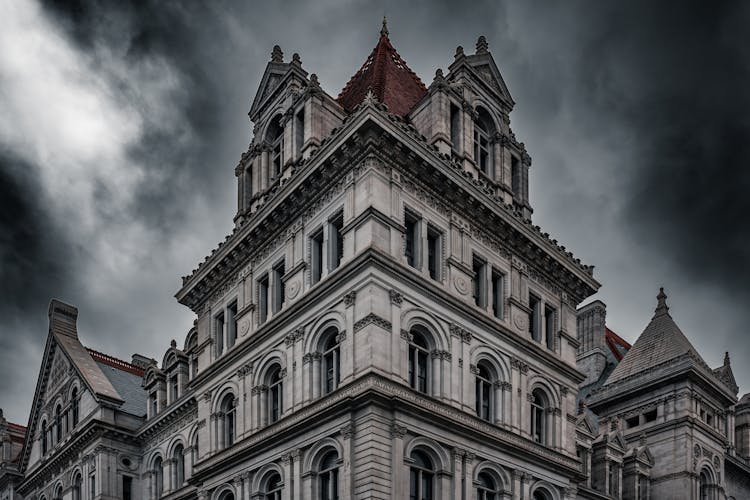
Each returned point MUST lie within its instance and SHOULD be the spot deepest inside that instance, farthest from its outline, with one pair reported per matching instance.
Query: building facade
(384, 321)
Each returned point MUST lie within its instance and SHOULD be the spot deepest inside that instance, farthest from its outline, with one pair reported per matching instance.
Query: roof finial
(173, 343)
(661, 304)
(482, 45)
(296, 60)
(277, 55)
(384, 29)
(726, 358)
(459, 52)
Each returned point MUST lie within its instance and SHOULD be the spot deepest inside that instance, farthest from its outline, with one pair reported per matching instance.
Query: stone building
(384, 321)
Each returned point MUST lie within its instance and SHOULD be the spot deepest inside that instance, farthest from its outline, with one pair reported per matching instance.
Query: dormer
(191, 351)
(176, 372)
(291, 116)
(154, 381)
(465, 114)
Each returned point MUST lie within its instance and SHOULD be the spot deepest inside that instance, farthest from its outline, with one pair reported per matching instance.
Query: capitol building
(384, 322)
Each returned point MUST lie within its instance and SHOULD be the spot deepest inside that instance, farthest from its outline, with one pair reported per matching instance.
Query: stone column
(346, 484)
(316, 357)
(307, 369)
(286, 463)
(255, 405)
(498, 393)
(458, 472)
(507, 403)
(297, 474)
(348, 347)
(246, 484)
(396, 355)
(456, 369)
(238, 490)
(398, 479)
(263, 406)
(468, 478)
(435, 389)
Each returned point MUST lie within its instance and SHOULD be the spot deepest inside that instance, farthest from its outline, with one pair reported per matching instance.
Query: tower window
(497, 293)
(455, 127)
(263, 299)
(175, 388)
(480, 287)
(549, 325)
(484, 127)
(434, 252)
(278, 287)
(413, 247)
(300, 130)
(515, 175)
(275, 140)
(335, 241)
(219, 328)
(316, 256)
(231, 324)
(534, 319)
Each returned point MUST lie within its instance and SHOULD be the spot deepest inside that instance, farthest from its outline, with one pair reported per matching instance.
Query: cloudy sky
(120, 126)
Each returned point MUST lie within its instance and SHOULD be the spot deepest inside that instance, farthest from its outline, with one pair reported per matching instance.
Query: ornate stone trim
(396, 297)
(349, 298)
(375, 319)
(457, 331)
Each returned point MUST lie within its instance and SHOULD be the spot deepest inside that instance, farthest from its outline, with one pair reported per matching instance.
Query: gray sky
(121, 125)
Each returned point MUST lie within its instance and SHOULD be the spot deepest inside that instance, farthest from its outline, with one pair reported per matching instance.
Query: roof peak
(661, 303)
(384, 29)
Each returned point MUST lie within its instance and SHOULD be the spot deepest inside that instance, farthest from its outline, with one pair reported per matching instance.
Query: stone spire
(384, 29)
(482, 47)
(661, 303)
(726, 358)
(277, 55)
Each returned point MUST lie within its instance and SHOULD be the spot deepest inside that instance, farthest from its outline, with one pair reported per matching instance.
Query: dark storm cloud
(636, 115)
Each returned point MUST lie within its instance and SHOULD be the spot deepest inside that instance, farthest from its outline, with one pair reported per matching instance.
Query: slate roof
(386, 74)
(129, 387)
(661, 341)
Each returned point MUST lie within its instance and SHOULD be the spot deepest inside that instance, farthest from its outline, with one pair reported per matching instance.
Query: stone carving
(398, 431)
(375, 319)
(520, 321)
(293, 289)
(461, 284)
(457, 331)
(244, 326)
(396, 297)
(349, 298)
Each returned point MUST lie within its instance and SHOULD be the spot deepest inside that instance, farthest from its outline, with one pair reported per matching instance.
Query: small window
(92, 484)
(498, 282)
(418, 361)
(154, 404)
(316, 256)
(228, 410)
(632, 422)
(534, 320)
(331, 361)
(278, 287)
(74, 406)
(299, 127)
(275, 394)
(421, 477)
(434, 252)
(219, 332)
(77, 486)
(480, 287)
(483, 385)
(335, 241)
(515, 174)
(455, 127)
(263, 299)
(175, 387)
(231, 324)
(650, 416)
(413, 247)
(549, 324)
(127, 488)
(44, 438)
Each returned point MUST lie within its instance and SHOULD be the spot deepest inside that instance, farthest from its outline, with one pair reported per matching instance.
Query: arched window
(228, 412)
(273, 486)
(419, 375)
(275, 394)
(44, 438)
(194, 452)
(178, 460)
(58, 423)
(331, 361)
(487, 487)
(158, 477)
(484, 391)
(706, 485)
(74, 405)
(542, 494)
(226, 495)
(76, 488)
(483, 130)
(328, 476)
(275, 139)
(539, 406)
(422, 476)
(58, 493)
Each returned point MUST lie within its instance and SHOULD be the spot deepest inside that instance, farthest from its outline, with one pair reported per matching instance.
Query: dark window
(175, 388)
(275, 139)
(273, 487)
(331, 362)
(178, 462)
(487, 489)
(158, 479)
(421, 477)
(300, 130)
(539, 416)
(412, 223)
(231, 324)
(455, 127)
(77, 486)
(515, 175)
(335, 241)
(484, 382)
(418, 361)
(44, 438)
(219, 328)
(329, 477)
(58, 424)
(632, 421)
(74, 406)
(497, 293)
(650, 416)
(275, 394)
(92, 486)
(434, 252)
(316, 256)
(154, 405)
(480, 289)
(228, 409)
(534, 320)
(127, 488)
(278, 286)
(263, 299)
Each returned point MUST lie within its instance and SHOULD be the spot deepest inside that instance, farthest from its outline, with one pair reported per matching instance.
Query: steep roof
(616, 344)
(385, 73)
(661, 341)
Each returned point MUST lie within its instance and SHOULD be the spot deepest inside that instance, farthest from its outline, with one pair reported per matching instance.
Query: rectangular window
(219, 333)
(534, 317)
(632, 422)
(127, 488)
(231, 324)
(498, 283)
(278, 287)
(434, 252)
(316, 256)
(650, 416)
(263, 299)
(549, 325)
(412, 223)
(277, 157)
(480, 288)
(92, 486)
(455, 127)
(154, 405)
(175, 388)
(299, 127)
(481, 150)
(335, 241)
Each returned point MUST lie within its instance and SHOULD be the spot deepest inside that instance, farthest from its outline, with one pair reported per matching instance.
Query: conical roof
(661, 341)
(386, 74)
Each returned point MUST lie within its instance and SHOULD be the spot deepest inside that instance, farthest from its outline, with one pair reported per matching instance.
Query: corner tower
(384, 319)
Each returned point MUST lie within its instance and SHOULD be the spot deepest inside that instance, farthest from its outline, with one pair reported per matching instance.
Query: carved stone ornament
(244, 327)
(398, 431)
(520, 321)
(349, 298)
(461, 284)
(717, 463)
(697, 451)
(293, 289)
(396, 297)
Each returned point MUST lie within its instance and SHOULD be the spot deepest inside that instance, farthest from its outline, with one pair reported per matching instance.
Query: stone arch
(228, 387)
(222, 489)
(191, 338)
(539, 382)
(262, 474)
(552, 492)
(432, 448)
(478, 103)
(494, 358)
(330, 318)
(273, 116)
(74, 384)
(419, 317)
(496, 471)
(313, 455)
(179, 439)
(276, 356)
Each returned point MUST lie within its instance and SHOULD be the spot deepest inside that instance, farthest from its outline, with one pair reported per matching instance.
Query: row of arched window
(177, 469)
(63, 421)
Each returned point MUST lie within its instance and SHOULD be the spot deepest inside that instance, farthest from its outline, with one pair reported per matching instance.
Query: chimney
(63, 318)
(142, 361)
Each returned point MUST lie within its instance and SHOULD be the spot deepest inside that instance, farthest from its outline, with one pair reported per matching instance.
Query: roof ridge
(115, 362)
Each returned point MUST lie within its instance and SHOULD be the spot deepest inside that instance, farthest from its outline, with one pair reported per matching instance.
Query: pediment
(483, 67)
(617, 440)
(584, 425)
(645, 455)
(274, 75)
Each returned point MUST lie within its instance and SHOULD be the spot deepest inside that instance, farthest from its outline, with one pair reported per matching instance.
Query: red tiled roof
(613, 341)
(389, 78)
(115, 362)
(16, 427)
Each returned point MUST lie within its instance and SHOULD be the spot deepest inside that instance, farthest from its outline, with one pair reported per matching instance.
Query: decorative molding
(396, 297)
(349, 298)
(457, 331)
(374, 319)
